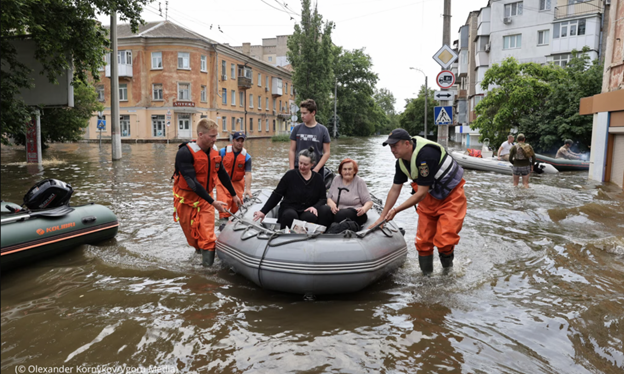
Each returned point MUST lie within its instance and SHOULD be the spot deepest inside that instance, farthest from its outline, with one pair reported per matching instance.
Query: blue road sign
(443, 115)
(101, 124)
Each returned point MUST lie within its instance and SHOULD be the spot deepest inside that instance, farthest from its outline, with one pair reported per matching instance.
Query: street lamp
(426, 94)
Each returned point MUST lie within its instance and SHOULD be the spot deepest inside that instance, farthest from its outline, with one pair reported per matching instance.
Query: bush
(280, 138)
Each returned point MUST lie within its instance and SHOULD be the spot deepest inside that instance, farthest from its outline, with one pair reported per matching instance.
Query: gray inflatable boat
(311, 263)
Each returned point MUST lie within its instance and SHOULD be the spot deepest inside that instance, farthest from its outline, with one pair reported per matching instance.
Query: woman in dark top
(302, 195)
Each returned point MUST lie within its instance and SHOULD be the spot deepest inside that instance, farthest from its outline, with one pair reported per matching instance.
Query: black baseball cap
(238, 134)
(397, 135)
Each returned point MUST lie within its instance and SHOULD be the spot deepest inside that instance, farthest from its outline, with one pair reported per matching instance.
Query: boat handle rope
(378, 226)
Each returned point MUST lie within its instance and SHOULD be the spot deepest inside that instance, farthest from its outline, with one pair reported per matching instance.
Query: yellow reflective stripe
(191, 222)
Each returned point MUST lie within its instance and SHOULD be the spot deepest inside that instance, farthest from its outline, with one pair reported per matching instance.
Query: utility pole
(335, 98)
(446, 40)
(426, 94)
(114, 67)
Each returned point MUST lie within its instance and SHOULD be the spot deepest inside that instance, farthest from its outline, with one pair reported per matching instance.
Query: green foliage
(540, 101)
(59, 28)
(310, 54)
(280, 138)
(67, 124)
(386, 101)
(413, 117)
(360, 114)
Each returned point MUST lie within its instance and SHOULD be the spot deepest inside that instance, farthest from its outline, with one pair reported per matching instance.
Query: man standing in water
(309, 134)
(237, 163)
(197, 167)
(438, 189)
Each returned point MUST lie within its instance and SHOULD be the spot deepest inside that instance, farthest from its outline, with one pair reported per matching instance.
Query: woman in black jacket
(302, 194)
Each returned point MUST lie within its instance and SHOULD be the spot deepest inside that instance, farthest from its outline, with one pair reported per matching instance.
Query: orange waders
(224, 195)
(440, 221)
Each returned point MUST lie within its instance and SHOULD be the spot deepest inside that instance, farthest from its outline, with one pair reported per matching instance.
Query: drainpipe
(602, 17)
(214, 47)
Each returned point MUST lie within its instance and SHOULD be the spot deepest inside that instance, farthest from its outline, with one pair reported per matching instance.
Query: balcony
(276, 87)
(482, 58)
(578, 9)
(244, 82)
(124, 71)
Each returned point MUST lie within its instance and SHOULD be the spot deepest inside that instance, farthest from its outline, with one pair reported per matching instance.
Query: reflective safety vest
(201, 163)
(449, 174)
(234, 166)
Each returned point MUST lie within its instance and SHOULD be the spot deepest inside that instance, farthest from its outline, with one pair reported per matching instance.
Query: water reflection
(537, 285)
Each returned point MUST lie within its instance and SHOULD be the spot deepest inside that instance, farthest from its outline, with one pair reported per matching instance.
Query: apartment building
(540, 31)
(171, 77)
(272, 51)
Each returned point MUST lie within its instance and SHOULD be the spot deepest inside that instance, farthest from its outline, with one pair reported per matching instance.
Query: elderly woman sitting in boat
(302, 195)
(348, 196)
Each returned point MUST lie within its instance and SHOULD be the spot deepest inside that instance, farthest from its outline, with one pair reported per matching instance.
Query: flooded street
(538, 283)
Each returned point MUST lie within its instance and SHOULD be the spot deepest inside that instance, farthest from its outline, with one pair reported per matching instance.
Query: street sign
(445, 56)
(101, 124)
(294, 109)
(445, 79)
(443, 115)
(444, 95)
(294, 118)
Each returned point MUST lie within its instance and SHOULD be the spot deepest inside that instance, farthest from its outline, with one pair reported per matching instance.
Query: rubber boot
(426, 264)
(208, 257)
(447, 262)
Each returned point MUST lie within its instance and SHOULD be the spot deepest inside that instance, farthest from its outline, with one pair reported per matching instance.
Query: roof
(160, 29)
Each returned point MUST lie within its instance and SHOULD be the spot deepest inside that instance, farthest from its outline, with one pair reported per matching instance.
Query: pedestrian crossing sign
(443, 115)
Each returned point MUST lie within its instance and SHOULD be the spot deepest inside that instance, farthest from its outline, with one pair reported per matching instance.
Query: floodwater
(538, 283)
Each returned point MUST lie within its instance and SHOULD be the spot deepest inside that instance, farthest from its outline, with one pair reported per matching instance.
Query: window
(157, 91)
(156, 60)
(561, 60)
(241, 98)
(543, 37)
(204, 64)
(241, 123)
(569, 28)
(158, 125)
(259, 102)
(259, 80)
(100, 93)
(184, 59)
(184, 91)
(224, 123)
(124, 125)
(273, 125)
(512, 41)
(250, 74)
(513, 9)
(124, 57)
(223, 68)
(266, 102)
(544, 5)
(203, 94)
(273, 104)
(123, 92)
(251, 100)
(232, 71)
(233, 99)
(280, 106)
(224, 96)
(251, 124)
(292, 90)
(286, 88)
(270, 58)
(266, 128)
(233, 123)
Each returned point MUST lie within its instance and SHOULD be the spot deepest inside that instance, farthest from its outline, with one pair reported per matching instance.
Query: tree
(68, 124)
(413, 117)
(359, 113)
(59, 29)
(310, 54)
(386, 101)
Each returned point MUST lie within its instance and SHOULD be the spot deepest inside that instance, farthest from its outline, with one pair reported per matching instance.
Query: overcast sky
(397, 34)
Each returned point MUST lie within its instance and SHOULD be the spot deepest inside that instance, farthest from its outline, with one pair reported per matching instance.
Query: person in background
(521, 157)
(566, 153)
(302, 195)
(197, 167)
(237, 163)
(438, 189)
(348, 196)
(503, 151)
(309, 134)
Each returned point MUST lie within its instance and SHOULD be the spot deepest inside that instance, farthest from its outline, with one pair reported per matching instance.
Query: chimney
(247, 48)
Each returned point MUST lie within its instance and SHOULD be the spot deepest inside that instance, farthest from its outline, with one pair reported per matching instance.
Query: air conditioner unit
(224, 77)
(487, 47)
(507, 20)
(266, 89)
(273, 111)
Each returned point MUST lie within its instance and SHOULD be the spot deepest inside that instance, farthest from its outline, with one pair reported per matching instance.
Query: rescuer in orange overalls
(197, 167)
(237, 163)
(438, 189)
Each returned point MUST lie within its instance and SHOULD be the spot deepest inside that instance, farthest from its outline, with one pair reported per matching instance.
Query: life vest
(234, 166)
(449, 174)
(201, 162)
(474, 153)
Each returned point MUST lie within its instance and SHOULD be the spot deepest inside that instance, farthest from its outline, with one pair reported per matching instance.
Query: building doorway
(158, 126)
(184, 126)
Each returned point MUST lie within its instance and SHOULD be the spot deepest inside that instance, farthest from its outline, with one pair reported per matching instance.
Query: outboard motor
(49, 193)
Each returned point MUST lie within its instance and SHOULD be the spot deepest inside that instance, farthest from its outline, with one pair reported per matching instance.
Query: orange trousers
(440, 221)
(224, 195)
(197, 219)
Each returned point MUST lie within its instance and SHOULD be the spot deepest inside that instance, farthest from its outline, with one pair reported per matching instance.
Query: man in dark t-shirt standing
(309, 134)
(438, 189)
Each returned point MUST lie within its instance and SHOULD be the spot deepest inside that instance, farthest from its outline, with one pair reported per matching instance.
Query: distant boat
(562, 164)
(493, 164)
